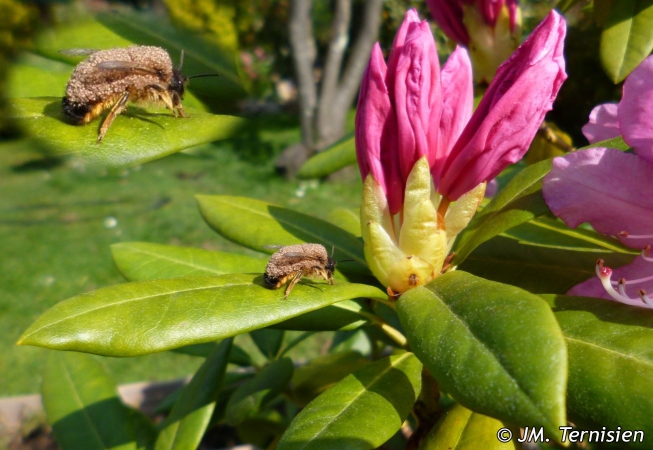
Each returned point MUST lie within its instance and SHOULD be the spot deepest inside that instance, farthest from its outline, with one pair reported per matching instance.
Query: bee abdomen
(76, 113)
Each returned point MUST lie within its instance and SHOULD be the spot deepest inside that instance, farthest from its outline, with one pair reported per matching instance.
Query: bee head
(330, 266)
(178, 82)
(331, 263)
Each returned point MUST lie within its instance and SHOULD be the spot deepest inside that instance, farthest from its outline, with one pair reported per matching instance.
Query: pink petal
(457, 106)
(417, 97)
(410, 18)
(376, 134)
(603, 123)
(511, 111)
(636, 270)
(448, 14)
(636, 110)
(611, 190)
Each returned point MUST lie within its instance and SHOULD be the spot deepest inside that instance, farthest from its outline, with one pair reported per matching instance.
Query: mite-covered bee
(291, 262)
(109, 79)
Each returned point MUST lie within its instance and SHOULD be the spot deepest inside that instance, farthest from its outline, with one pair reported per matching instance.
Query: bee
(109, 79)
(290, 263)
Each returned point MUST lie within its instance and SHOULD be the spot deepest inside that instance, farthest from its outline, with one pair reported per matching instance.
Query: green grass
(57, 223)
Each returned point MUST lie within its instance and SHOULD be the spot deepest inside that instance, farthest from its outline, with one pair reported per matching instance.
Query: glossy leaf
(189, 418)
(346, 219)
(495, 348)
(553, 233)
(256, 224)
(610, 363)
(268, 341)
(331, 159)
(627, 37)
(518, 202)
(617, 143)
(258, 391)
(149, 316)
(140, 261)
(135, 137)
(462, 429)
(345, 315)
(82, 405)
(322, 372)
(362, 411)
(537, 268)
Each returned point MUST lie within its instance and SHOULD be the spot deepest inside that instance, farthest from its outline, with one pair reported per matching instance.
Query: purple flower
(415, 132)
(612, 190)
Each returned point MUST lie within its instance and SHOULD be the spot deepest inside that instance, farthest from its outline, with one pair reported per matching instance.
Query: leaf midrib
(88, 311)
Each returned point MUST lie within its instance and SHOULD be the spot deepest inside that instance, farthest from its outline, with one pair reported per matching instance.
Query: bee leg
(294, 280)
(116, 109)
(327, 277)
(171, 101)
(178, 107)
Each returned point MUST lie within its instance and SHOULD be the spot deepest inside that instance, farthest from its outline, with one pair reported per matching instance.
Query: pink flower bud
(512, 109)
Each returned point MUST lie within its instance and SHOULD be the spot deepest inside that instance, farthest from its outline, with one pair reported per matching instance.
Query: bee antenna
(344, 260)
(202, 75)
(181, 59)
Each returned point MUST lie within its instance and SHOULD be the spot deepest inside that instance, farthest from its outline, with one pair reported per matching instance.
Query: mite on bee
(109, 79)
(291, 262)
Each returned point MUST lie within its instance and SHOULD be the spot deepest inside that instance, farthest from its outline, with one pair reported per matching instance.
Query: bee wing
(300, 255)
(78, 51)
(272, 247)
(126, 66)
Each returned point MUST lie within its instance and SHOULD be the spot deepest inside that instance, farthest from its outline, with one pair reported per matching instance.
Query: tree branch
(332, 68)
(358, 58)
(304, 54)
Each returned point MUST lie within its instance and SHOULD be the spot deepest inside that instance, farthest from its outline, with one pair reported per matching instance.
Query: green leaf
(610, 363)
(537, 268)
(82, 405)
(140, 261)
(362, 411)
(189, 418)
(323, 372)
(137, 136)
(333, 158)
(553, 233)
(495, 348)
(257, 392)
(346, 219)
(627, 38)
(345, 315)
(520, 201)
(462, 429)
(256, 224)
(617, 143)
(150, 316)
(268, 341)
